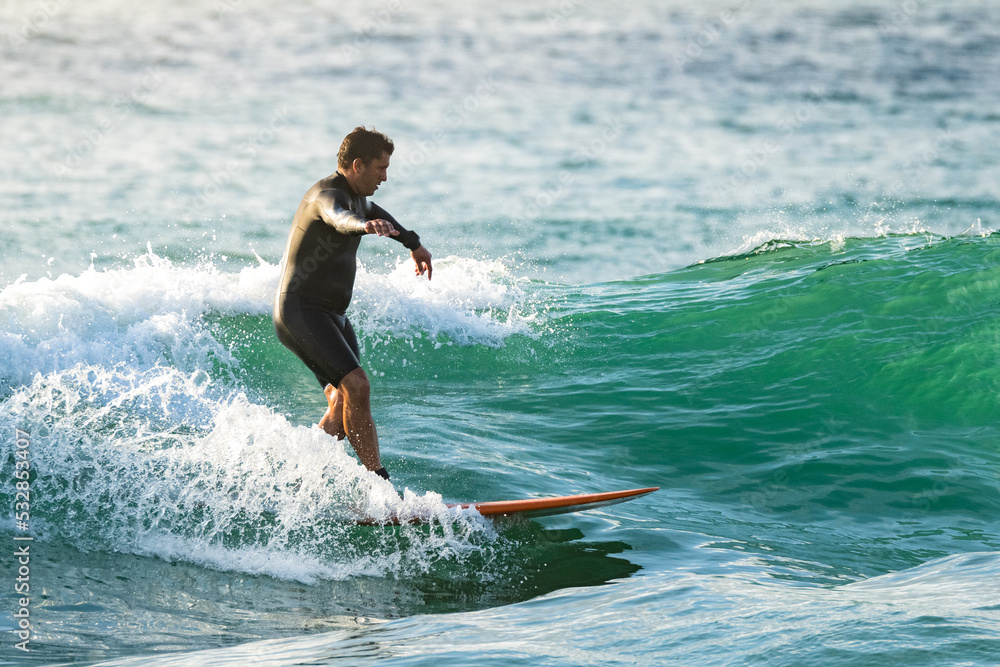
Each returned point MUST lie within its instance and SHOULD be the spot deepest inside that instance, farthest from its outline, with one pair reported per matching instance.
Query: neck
(350, 181)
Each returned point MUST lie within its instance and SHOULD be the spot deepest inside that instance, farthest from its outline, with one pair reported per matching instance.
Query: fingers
(422, 259)
(381, 228)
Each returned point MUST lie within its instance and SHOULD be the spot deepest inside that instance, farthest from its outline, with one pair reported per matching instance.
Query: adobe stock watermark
(563, 11)
(372, 27)
(943, 142)
(325, 247)
(86, 145)
(780, 488)
(761, 154)
(452, 118)
(246, 154)
(902, 14)
(22, 540)
(587, 153)
(709, 35)
(33, 23)
(225, 6)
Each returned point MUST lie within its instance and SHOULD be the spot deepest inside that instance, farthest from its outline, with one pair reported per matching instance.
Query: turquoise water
(743, 252)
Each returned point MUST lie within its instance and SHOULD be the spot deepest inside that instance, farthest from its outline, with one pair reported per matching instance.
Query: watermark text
(22, 539)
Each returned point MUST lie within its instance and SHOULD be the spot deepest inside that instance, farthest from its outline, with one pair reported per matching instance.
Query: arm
(334, 207)
(409, 239)
(421, 257)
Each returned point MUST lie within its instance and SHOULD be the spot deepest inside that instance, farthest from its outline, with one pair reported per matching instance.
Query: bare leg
(355, 400)
(333, 421)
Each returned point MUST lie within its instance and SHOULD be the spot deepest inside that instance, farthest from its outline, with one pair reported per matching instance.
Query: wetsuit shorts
(322, 339)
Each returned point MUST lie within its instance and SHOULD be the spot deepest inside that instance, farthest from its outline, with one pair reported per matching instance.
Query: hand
(381, 228)
(422, 258)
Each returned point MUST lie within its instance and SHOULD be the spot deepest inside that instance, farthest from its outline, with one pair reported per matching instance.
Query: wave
(152, 313)
(700, 612)
(163, 463)
(826, 384)
(786, 235)
(144, 439)
(792, 367)
(908, 319)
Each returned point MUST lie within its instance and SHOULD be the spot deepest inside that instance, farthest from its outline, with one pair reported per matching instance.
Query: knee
(355, 386)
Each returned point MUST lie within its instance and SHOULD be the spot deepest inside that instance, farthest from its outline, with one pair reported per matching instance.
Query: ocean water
(743, 251)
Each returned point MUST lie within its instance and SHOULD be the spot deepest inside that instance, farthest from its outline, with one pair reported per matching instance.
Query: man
(317, 281)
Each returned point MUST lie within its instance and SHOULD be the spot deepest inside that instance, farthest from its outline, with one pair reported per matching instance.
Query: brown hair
(364, 144)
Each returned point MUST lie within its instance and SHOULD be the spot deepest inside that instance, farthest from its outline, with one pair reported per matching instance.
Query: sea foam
(150, 313)
(144, 440)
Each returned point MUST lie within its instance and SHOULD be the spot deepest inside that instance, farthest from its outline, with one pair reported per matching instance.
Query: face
(367, 177)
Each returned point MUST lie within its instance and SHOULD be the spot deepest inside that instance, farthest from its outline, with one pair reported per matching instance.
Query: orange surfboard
(528, 508)
(533, 507)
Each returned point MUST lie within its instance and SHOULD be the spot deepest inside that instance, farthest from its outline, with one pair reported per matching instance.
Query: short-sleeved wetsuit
(317, 277)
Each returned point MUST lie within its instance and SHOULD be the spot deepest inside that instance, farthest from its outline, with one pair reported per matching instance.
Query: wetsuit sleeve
(408, 238)
(334, 206)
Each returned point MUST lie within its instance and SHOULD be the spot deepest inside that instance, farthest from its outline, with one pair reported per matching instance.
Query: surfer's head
(364, 160)
(362, 144)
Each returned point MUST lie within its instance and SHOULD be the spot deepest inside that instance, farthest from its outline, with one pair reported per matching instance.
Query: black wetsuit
(317, 277)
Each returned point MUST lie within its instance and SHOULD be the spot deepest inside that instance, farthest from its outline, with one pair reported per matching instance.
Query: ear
(358, 164)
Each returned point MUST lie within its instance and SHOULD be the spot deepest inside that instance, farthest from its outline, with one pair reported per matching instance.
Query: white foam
(777, 233)
(141, 316)
(467, 301)
(150, 313)
(169, 464)
(145, 443)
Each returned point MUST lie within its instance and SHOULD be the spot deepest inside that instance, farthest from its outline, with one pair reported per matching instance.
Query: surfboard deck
(534, 507)
(537, 507)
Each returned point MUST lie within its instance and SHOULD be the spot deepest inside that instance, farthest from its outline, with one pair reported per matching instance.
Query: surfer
(317, 280)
